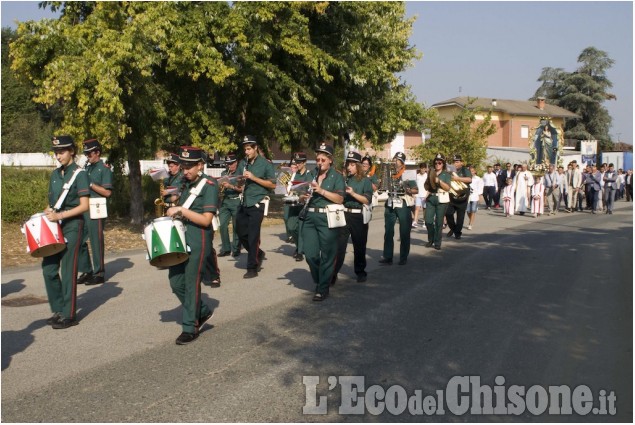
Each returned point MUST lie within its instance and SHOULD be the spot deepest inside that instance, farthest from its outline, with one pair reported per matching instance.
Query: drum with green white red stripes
(165, 242)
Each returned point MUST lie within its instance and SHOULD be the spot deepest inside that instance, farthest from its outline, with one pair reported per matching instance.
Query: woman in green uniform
(318, 242)
(185, 278)
(437, 185)
(359, 192)
(62, 290)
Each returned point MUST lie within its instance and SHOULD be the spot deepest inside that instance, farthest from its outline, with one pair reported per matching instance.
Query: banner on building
(589, 151)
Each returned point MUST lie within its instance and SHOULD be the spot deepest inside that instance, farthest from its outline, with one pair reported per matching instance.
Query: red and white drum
(43, 237)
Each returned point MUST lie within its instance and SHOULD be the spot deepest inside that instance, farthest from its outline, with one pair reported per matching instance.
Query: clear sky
(498, 49)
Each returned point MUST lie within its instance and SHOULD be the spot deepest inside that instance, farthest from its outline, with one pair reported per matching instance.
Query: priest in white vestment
(523, 182)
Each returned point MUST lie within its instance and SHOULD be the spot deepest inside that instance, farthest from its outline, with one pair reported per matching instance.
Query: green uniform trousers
(62, 291)
(319, 245)
(228, 212)
(292, 222)
(185, 278)
(391, 216)
(93, 232)
(434, 219)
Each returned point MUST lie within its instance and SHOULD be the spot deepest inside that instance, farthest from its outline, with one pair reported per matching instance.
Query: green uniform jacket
(261, 168)
(172, 181)
(77, 190)
(100, 174)
(363, 187)
(333, 182)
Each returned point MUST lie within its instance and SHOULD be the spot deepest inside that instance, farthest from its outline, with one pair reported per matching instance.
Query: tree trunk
(134, 178)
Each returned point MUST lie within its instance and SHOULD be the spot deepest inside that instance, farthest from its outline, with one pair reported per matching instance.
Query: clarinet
(303, 213)
(242, 199)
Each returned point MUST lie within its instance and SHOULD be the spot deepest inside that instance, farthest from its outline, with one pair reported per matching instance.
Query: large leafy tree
(26, 126)
(583, 91)
(463, 134)
(144, 75)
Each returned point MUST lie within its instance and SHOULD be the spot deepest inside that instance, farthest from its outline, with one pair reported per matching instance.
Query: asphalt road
(539, 302)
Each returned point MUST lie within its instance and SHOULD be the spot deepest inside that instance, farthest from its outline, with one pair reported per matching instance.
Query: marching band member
(62, 291)
(457, 206)
(369, 172)
(260, 179)
(287, 207)
(398, 210)
(318, 241)
(359, 192)
(437, 184)
(293, 211)
(100, 183)
(185, 278)
(173, 180)
(229, 209)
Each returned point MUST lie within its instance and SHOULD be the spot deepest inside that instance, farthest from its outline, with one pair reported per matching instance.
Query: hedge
(25, 192)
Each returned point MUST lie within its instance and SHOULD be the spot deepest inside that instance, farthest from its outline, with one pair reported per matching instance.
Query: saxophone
(159, 203)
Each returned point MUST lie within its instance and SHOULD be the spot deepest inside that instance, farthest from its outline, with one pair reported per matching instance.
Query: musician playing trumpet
(458, 206)
(291, 212)
(231, 189)
(398, 208)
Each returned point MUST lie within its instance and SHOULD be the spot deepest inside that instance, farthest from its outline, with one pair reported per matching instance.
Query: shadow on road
(12, 287)
(117, 266)
(14, 342)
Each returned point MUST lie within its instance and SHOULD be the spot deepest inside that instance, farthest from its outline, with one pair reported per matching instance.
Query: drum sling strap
(67, 187)
(194, 193)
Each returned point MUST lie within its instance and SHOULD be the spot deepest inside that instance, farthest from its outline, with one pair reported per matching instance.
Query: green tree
(463, 135)
(583, 91)
(26, 126)
(147, 75)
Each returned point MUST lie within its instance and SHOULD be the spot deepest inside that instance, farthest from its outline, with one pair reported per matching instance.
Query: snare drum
(165, 241)
(43, 237)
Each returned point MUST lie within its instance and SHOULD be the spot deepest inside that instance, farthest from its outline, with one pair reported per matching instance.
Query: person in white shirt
(490, 187)
(522, 185)
(476, 190)
(552, 189)
(420, 200)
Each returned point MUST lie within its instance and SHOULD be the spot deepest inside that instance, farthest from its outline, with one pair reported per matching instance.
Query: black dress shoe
(385, 261)
(250, 274)
(204, 320)
(94, 280)
(361, 278)
(53, 319)
(186, 338)
(450, 233)
(84, 277)
(429, 244)
(437, 247)
(299, 257)
(235, 253)
(402, 262)
(457, 236)
(64, 323)
(224, 253)
(319, 297)
(215, 283)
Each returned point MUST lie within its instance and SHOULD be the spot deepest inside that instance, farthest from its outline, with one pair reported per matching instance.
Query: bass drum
(165, 242)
